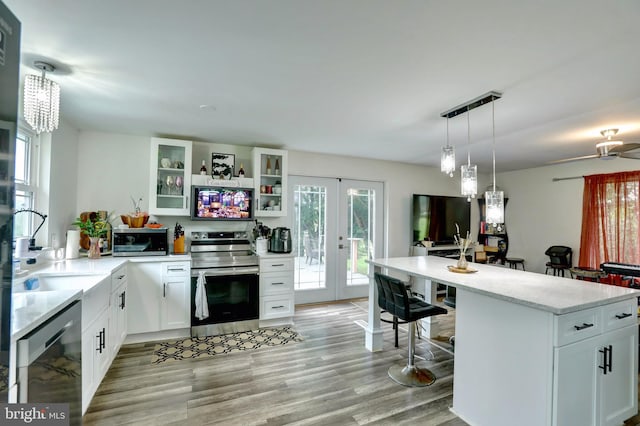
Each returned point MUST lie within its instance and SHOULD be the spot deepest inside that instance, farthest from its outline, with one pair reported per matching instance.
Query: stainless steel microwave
(140, 242)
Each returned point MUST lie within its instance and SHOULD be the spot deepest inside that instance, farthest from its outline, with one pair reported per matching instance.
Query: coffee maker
(280, 241)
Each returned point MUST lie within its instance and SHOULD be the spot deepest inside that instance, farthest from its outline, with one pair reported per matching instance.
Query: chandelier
(41, 100)
(494, 199)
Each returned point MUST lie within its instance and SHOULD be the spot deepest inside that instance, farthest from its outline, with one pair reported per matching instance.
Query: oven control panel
(211, 236)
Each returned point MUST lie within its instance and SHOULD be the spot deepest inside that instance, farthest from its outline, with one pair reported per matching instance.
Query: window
(25, 168)
(610, 219)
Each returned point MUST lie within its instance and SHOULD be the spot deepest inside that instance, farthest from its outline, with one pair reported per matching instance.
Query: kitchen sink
(63, 282)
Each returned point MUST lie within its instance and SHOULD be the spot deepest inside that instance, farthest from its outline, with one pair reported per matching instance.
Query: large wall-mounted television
(434, 218)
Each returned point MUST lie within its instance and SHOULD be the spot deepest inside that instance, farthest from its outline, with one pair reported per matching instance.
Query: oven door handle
(218, 272)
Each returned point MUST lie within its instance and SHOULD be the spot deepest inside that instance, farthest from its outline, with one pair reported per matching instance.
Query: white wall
(541, 213)
(112, 168)
(57, 188)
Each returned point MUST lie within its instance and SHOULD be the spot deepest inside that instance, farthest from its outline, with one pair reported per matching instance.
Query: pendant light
(469, 172)
(494, 199)
(448, 157)
(41, 100)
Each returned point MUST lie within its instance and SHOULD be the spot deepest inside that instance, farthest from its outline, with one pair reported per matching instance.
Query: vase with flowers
(94, 229)
(463, 244)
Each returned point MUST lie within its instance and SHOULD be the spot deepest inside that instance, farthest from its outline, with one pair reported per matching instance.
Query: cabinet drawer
(276, 306)
(176, 269)
(577, 326)
(275, 283)
(276, 265)
(118, 277)
(620, 314)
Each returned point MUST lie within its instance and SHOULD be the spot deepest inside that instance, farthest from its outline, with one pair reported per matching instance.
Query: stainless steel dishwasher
(50, 363)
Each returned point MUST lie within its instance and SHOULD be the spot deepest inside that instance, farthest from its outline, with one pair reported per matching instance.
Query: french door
(336, 226)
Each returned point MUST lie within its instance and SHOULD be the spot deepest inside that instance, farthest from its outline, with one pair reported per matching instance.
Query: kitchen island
(531, 349)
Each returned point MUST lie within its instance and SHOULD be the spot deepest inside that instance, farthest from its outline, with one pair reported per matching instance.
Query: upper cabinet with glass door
(270, 177)
(170, 179)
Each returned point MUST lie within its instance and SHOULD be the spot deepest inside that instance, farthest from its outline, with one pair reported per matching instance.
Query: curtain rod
(567, 178)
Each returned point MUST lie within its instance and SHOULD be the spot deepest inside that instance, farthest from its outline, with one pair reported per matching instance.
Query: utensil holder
(178, 245)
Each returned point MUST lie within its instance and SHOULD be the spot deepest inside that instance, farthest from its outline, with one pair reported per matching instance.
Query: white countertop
(31, 308)
(545, 292)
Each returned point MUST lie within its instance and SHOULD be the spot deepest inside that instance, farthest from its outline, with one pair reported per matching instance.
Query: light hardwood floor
(328, 379)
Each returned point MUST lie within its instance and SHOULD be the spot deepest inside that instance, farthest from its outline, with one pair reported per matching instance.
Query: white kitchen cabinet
(542, 368)
(144, 290)
(277, 302)
(594, 384)
(270, 180)
(118, 310)
(159, 296)
(95, 355)
(176, 295)
(170, 177)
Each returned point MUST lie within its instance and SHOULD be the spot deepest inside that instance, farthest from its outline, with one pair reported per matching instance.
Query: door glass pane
(309, 232)
(360, 226)
(171, 171)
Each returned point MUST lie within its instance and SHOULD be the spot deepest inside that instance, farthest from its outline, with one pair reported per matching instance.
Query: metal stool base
(411, 376)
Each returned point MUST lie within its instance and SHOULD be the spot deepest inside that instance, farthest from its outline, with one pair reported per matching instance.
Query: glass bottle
(277, 170)
(241, 171)
(203, 168)
(106, 239)
(268, 171)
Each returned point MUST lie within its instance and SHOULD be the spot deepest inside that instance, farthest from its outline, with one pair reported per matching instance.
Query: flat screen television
(221, 203)
(434, 217)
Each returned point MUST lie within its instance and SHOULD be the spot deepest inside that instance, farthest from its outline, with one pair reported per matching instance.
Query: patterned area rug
(202, 347)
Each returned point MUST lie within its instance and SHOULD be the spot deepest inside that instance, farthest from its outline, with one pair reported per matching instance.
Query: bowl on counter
(134, 221)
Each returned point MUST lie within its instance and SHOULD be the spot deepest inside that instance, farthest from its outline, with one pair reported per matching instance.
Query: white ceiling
(365, 78)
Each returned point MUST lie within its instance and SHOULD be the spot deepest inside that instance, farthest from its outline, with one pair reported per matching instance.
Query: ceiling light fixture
(41, 100)
(448, 157)
(494, 199)
(603, 147)
(469, 172)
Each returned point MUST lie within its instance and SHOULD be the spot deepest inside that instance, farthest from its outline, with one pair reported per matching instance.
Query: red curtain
(610, 219)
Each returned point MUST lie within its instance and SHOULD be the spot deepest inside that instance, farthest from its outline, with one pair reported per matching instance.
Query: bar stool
(514, 262)
(393, 298)
(395, 320)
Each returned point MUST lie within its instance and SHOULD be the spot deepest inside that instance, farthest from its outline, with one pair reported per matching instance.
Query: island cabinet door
(596, 380)
(619, 387)
(575, 386)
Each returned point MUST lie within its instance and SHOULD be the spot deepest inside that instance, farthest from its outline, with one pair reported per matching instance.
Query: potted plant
(94, 229)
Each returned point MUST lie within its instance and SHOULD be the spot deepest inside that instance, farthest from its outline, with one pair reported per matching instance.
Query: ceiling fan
(609, 149)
